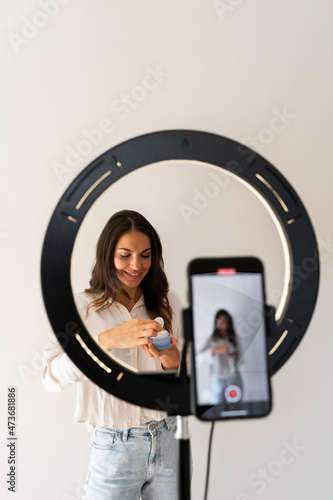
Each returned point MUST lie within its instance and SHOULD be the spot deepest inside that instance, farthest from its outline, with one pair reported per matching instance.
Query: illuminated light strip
(277, 196)
(90, 190)
(69, 217)
(291, 221)
(279, 342)
(91, 354)
(120, 376)
(122, 363)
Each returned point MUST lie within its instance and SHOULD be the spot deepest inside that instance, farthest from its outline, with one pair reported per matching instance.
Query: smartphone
(230, 367)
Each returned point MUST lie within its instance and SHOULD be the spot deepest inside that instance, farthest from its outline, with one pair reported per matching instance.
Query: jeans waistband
(169, 423)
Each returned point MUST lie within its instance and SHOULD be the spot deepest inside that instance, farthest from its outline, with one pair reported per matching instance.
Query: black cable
(208, 458)
(183, 363)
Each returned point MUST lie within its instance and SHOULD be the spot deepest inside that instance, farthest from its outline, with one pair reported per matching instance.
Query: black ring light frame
(168, 391)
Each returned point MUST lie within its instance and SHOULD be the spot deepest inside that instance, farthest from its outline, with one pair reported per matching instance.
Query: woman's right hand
(133, 333)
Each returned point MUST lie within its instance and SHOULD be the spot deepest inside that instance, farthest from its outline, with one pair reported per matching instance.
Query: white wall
(223, 68)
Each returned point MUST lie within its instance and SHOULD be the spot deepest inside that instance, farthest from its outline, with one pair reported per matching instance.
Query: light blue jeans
(127, 463)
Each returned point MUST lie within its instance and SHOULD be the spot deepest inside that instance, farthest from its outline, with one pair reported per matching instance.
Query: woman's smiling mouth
(133, 275)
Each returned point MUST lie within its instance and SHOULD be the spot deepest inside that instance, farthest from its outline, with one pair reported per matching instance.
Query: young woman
(134, 451)
(224, 349)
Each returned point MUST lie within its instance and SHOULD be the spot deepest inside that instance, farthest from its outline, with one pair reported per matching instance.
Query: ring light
(161, 390)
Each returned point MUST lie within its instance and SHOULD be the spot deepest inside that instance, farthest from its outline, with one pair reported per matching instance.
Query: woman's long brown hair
(104, 281)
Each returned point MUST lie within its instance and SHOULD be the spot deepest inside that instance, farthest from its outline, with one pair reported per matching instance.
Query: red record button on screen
(233, 393)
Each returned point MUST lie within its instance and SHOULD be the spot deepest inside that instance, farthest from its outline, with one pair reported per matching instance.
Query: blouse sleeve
(59, 371)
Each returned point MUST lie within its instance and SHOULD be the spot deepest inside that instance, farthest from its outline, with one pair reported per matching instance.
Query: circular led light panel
(162, 390)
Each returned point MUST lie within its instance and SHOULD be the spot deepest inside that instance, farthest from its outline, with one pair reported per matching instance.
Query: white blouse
(94, 405)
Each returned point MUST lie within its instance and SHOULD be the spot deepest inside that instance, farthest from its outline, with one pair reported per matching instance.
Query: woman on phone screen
(223, 346)
(133, 449)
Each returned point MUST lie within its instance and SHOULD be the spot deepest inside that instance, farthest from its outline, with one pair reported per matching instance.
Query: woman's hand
(220, 349)
(133, 333)
(169, 357)
(153, 353)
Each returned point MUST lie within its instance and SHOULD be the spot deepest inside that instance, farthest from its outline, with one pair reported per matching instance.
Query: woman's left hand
(169, 357)
(153, 353)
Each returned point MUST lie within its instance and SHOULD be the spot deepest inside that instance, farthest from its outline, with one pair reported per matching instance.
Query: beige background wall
(128, 68)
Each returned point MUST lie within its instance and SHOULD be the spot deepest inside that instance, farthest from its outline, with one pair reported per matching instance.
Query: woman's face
(222, 324)
(132, 258)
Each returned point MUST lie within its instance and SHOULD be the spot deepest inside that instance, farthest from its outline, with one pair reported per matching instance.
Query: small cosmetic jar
(163, 340)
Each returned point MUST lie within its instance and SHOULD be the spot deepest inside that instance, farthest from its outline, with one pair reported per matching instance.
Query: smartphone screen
(230, 360)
